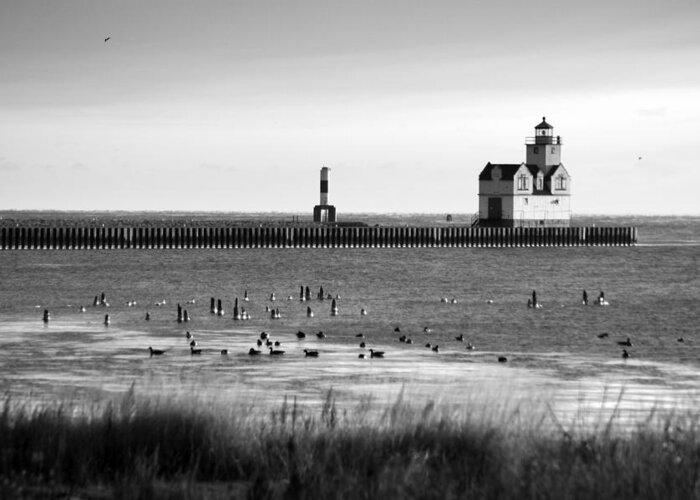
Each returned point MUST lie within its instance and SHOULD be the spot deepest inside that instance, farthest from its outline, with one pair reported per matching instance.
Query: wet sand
(84, 360)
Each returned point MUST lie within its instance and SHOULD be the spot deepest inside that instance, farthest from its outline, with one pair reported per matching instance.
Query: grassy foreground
(142, 449)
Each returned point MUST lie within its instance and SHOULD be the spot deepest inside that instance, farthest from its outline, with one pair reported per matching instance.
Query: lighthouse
(323, 212)
(535, 193)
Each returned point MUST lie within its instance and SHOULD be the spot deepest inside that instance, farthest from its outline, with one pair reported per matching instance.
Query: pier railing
(311, 236)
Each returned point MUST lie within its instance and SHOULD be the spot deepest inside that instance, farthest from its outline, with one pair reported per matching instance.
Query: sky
(236, 105)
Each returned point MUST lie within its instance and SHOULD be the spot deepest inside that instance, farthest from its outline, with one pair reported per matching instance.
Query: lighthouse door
(495, 208)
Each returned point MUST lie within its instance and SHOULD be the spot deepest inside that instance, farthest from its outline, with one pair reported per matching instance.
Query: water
(554, 354)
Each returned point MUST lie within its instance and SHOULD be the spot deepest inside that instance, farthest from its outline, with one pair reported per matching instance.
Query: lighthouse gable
(559, 181)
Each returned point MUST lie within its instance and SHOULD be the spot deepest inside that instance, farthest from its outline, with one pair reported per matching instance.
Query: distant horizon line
(310, 214)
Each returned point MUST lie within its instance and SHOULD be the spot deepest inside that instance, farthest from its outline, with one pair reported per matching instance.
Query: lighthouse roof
(507, 171)
(543, 125)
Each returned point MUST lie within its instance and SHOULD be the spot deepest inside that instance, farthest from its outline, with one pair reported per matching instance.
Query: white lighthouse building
(534, 193)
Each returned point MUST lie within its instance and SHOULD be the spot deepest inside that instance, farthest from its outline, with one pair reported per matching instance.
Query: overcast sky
(236, 105)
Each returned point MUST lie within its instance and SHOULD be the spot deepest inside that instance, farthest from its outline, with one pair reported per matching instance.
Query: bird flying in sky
(108, 38)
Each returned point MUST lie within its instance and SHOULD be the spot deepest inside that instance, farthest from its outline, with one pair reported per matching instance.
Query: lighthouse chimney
(323, 212)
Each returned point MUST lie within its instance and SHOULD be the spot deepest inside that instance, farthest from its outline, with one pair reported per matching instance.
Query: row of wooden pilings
(64, 238)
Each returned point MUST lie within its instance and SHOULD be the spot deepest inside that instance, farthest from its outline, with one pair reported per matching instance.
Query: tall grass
(140, 448)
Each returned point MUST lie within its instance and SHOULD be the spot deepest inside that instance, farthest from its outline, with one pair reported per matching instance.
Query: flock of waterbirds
(274, 347)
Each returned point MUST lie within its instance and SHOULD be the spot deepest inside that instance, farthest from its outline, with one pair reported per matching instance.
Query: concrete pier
(309, 236)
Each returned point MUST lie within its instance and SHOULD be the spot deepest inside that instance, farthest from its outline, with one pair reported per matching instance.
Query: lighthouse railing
(544, 139)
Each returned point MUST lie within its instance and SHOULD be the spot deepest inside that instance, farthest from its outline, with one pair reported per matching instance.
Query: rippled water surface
(554, 353)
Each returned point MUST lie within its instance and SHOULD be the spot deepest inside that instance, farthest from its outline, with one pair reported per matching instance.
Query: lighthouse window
(539, 183)
(536, 150)
(523, 183)
(560, 182)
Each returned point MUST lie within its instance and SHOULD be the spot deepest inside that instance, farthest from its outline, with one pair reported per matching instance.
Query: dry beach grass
(146, 448)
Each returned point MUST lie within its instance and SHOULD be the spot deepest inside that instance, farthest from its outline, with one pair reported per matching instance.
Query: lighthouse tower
(543, 150)
(323, 212)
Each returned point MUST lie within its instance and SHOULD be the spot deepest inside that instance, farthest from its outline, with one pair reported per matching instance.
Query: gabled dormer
(559, 180)
(523, 180)
(540, 187)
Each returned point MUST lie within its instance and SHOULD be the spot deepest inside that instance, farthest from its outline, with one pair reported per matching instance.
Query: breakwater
(307, 236)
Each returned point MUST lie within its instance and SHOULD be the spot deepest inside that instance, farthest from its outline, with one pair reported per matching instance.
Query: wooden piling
(316, 236)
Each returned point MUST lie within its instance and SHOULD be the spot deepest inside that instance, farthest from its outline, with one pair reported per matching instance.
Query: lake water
(554, 354)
